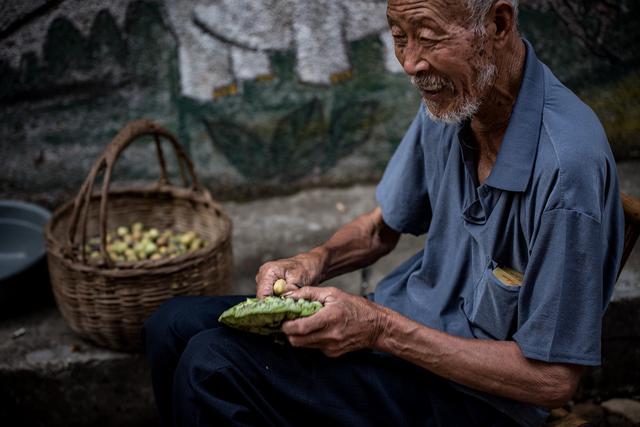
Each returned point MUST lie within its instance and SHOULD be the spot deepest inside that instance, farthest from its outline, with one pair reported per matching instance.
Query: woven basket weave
(107, 302)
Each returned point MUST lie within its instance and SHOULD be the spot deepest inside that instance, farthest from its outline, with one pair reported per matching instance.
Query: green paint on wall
(65, 50)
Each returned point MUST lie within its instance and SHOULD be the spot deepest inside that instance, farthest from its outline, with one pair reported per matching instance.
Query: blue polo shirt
(550, 209)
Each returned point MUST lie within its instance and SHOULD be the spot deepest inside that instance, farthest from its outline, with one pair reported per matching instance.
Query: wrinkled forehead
(444, 10)
(439, 3)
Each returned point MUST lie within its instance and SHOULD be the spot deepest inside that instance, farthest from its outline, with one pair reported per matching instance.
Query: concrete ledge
(50, 377)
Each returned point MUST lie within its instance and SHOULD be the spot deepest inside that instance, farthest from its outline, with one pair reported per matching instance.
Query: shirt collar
(512, 170)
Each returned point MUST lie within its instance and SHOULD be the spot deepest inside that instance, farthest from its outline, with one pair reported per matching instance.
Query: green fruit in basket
(187, 238)
(195, 244)
(130, 254)
(135, 243)
(265, 316)
(154, 233)
(119, 247)
(150, 248)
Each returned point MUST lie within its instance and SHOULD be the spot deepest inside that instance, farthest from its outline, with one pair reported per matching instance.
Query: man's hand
(302, 270)
(355, 245)
(345, 323)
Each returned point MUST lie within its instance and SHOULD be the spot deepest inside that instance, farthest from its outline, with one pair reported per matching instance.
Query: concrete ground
(50, 377)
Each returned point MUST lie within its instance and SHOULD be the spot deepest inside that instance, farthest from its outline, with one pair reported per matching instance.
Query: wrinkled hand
(346, 322)
(302, 270)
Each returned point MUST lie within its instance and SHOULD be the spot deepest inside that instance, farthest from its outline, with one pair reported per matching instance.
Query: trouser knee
(159, 330)
(180, 318)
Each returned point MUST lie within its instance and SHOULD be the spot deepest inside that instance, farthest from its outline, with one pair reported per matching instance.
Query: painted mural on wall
(264, 94)
(224, 42)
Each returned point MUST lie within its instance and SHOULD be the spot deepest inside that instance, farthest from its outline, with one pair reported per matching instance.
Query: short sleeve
(402, 193)
(561, 303)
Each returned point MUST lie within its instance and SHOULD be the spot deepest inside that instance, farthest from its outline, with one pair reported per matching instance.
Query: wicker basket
(108, 301)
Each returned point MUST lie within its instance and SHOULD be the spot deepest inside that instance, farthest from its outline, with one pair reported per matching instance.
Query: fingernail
(286, 294)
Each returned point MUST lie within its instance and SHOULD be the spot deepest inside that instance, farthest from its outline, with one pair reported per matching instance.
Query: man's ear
(501, 21)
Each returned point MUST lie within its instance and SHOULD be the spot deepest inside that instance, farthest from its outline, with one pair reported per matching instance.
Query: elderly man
(511, 178)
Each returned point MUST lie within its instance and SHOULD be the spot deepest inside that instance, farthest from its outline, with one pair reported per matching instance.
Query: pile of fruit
(137, 243)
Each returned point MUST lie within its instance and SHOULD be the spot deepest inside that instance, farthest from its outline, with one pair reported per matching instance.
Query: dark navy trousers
(205, 374)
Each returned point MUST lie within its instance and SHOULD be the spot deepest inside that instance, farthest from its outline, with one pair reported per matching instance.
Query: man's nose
(413, 61)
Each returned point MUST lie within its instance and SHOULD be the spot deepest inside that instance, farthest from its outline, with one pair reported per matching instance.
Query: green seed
(279, 286)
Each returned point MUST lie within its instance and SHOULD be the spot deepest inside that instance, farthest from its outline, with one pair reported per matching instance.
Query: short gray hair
(478, 10)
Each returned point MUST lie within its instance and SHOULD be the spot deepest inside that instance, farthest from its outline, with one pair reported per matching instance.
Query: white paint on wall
(205, 65)
(250, 64)
(253, 24)
(318, 30)
(321, 48)
(222, 42)
(391, 63)
(205, 62)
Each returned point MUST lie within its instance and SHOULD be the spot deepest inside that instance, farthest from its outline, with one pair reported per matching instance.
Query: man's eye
(399, 38)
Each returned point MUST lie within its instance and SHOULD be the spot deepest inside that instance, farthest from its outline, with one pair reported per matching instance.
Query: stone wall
(266, 95)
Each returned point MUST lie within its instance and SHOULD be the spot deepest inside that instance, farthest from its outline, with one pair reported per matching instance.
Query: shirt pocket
(493, 309)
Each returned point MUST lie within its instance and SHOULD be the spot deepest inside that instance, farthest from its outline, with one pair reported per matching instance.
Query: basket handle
(105, 164)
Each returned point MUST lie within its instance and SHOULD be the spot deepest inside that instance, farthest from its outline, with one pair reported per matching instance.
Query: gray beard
(469, 106)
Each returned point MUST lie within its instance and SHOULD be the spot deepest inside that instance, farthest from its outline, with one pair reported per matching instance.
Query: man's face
(449, 62)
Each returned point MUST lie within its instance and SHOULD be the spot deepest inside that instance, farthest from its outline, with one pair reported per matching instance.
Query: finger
(333, 353)
(325, 344)
(264, 291)
(310, 293)
(267, 275)
(290, 288)
(295, 277)
(309, 341)
(307, 325)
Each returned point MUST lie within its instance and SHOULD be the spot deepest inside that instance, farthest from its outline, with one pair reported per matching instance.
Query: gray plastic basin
(21, 236)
